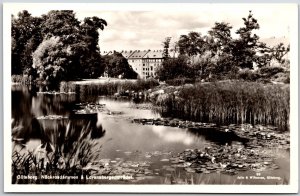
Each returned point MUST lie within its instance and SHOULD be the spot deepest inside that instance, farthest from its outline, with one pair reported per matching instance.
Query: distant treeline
(218, 56)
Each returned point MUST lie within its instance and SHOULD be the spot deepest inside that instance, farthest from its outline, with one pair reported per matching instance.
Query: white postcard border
(8, 187)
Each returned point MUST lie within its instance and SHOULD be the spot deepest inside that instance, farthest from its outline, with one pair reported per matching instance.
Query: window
(151, 68)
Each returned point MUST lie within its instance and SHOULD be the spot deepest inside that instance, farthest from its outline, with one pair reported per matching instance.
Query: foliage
(191, 44)
(166, 45)
(220, 38)
(248, 75)
(73, 45)
(175, 68)
(270, 71)
(218, 56)
(116, 65)
(89, 52)
(244, 48)
(180, 81)
(273, 55)
(50, 60)
(22, 79)
(25, 37)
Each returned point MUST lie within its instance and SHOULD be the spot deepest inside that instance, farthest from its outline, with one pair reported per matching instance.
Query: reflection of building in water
(144, 62)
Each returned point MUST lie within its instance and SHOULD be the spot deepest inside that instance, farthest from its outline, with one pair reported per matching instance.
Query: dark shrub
(248, 75)
(270, 71)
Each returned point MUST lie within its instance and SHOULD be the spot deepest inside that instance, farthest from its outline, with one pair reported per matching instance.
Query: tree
(219, 42)
(90, 56)
(244, 48)
(62, 23)
(51, 60)
(191, 44)
(79, 55)
(220, 38)
(116, 65)
(25, 36)
(80, 38)
(166, 45)
(175, 68)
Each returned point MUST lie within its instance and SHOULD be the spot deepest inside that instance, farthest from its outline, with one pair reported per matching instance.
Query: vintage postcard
(153, 98)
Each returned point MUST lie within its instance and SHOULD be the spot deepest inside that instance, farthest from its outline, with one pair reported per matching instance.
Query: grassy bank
(229, 102)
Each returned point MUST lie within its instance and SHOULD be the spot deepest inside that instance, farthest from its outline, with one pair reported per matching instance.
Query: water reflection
(217, 136)
(177, 135)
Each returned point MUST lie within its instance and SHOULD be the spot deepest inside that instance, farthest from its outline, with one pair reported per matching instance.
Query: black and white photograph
(181, 96)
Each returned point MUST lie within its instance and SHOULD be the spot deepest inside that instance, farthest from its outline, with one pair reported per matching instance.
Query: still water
(142, 151)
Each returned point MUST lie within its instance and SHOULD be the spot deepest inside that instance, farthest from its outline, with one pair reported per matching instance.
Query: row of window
(146, 60)
(148, 74)
(147, 69)
(152, 60)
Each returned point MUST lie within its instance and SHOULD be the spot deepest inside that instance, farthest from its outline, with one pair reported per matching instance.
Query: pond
(129, 149)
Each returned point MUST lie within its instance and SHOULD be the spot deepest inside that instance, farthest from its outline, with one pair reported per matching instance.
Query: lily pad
(165, 160)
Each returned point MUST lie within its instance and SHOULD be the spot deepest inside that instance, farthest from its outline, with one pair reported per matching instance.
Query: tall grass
(230, 102)
(108, 88)
(21, 79)
(67, 87)
(64, 153)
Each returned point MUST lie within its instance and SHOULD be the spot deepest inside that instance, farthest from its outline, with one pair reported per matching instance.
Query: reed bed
(108, 88)
(65, 154)
(229, 102)
(21, 79)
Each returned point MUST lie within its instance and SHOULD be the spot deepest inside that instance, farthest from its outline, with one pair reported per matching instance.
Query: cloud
(150, 28)
(133, 28)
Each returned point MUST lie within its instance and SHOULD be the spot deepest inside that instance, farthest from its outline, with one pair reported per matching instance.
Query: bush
(21, 79)
(283, 77)
(248, 75)
(270, 71)
(175, 68)
(180, 81)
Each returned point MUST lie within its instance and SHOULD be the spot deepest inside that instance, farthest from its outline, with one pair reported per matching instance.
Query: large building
(144, 62)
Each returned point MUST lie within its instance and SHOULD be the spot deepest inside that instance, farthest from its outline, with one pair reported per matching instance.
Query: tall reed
(109, 87)
(230, 102)
(63, 152)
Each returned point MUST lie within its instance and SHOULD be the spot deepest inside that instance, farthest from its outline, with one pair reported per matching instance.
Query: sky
(145, 27)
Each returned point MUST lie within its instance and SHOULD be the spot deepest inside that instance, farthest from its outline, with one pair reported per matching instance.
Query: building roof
(137, 54)
(126, 53)
(154, 54)
(107, 52)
